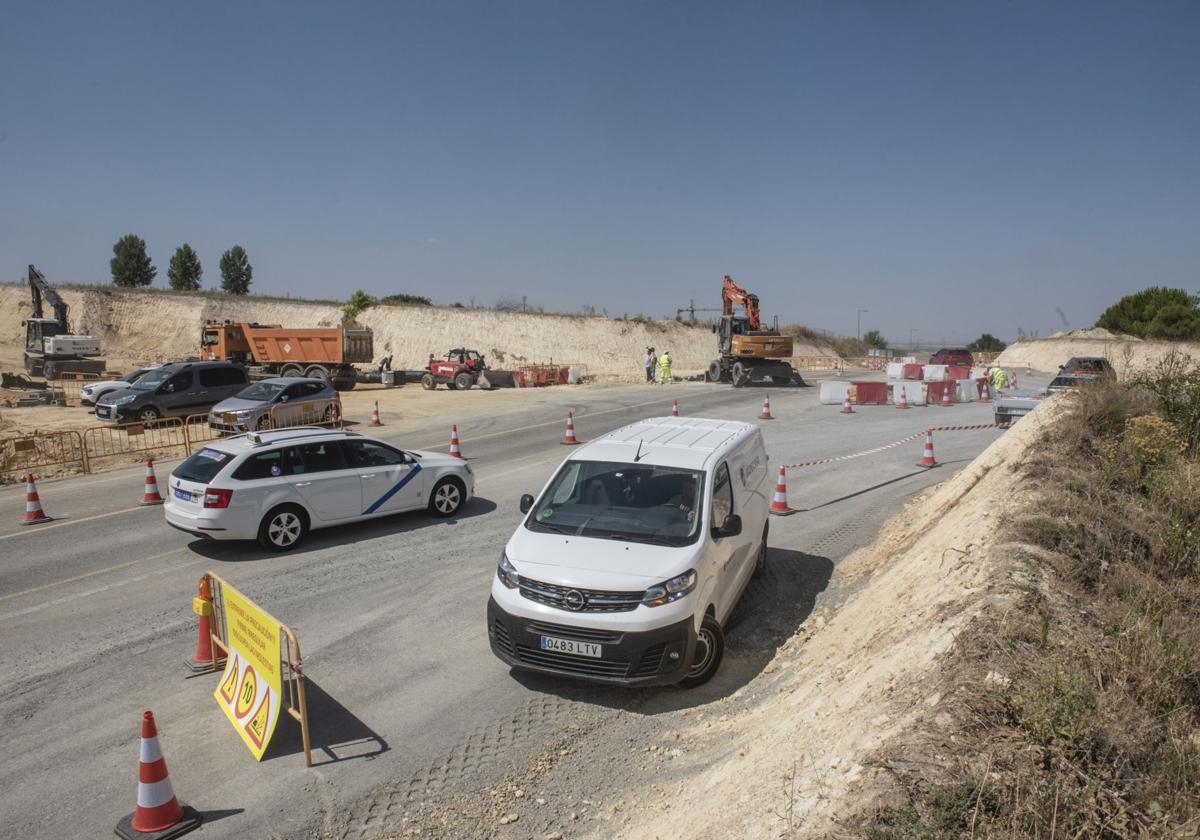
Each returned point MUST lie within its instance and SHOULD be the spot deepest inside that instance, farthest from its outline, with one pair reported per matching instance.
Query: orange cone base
(191, 819)
(198, 667)
(929, 466)
(151, 500)
(38, 521)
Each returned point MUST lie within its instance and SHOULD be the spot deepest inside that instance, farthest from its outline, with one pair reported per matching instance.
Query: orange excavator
(748, 352)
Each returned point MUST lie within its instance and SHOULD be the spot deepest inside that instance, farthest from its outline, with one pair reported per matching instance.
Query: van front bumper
(635, 658)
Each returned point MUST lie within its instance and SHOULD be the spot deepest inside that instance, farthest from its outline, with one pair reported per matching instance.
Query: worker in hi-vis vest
(664, 367)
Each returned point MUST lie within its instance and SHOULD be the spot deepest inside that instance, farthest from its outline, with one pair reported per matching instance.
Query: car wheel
(447, 497)
(148, 414)
(463, 382)
(427, 381)
(263, 424)
(706, 659)
(760, 562)
(282, 528)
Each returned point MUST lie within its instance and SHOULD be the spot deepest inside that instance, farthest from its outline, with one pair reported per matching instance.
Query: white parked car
(276, 486)
(633, 557)
(91, 392)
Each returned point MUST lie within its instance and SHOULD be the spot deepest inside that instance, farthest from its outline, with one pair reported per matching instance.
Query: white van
(632, 559)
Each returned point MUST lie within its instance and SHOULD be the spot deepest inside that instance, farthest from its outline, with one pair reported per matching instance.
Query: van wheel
(447, 497)
(148, 414)
(760, 562)
(283, 528)
(710, 647)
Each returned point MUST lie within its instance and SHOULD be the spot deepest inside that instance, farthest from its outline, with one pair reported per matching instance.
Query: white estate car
(92, 391)
(630, 562)
(276, 486)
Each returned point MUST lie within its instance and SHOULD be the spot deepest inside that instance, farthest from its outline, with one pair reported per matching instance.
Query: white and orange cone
(779, 504)
(150, 495)
(1013, 379)
(1028, 370)
(927, 459)
(766, 409)
(946, 403)
(375, 415)
(158, 811)
(455, 449)
(33, 505)
(985, 395)
(847, 408)
(569, 438)
(674, 408)
(903, 401)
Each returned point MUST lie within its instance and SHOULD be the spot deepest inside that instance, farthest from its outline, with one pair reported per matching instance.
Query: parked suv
(277, 402)
(633, 557)
(176, 390)
(960, 356)
(277, 486)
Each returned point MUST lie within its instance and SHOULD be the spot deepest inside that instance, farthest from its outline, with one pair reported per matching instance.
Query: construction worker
(664, 368)
(999, 379)
(651, 364)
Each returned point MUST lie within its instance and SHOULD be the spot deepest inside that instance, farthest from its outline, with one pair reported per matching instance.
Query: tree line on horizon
(131, 267)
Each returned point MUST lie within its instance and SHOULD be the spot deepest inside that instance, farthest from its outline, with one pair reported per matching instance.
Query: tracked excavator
(749, 353)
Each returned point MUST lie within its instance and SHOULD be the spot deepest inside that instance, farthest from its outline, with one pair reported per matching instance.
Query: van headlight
(506, 573)
(670, 590)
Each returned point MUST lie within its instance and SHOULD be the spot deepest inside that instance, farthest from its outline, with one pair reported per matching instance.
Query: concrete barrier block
(914, 392)
(935, 373)
(895, 370)
(834, 393)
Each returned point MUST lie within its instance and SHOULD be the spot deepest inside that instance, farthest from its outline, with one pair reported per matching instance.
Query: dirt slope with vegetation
(138, 326)
(1125, 352)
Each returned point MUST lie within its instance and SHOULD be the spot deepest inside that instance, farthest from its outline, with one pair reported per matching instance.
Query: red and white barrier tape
(891, 445)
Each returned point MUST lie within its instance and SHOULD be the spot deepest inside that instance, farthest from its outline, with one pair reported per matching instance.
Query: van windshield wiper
(639, 538)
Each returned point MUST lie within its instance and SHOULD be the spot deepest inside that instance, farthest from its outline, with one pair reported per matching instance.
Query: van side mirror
(167, 388)
(283, 398)
(526, 503)
(731, 527)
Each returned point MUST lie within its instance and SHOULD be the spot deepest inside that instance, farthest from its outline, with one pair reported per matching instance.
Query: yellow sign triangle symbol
(256, 727)
(230, 681)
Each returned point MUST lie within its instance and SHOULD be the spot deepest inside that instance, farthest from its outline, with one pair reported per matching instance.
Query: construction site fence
(60, 451)
(312, 413)
(815, 362)
(126, 443)
(71, 384)
(291, 665)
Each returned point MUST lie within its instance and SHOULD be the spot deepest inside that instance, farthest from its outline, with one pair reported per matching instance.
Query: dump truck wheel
(317, 372)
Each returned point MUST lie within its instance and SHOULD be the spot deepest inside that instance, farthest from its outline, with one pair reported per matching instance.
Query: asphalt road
(96, 621)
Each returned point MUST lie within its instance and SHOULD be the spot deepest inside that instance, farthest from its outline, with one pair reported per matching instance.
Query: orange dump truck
(271, 350)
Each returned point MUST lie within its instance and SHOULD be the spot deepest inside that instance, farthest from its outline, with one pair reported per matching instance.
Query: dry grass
(1093, 728)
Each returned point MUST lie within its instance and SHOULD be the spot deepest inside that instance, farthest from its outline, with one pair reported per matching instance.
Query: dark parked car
(175, 390)
(1087, 366)
(960, 356)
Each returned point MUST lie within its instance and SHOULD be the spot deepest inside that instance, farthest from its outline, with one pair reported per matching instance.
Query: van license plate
(570, 646)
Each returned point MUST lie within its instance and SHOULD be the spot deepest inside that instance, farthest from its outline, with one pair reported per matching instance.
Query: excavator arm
(41, 290)
(732, 294)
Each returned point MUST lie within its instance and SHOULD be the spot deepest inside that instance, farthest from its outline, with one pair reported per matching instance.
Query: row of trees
(131, 267)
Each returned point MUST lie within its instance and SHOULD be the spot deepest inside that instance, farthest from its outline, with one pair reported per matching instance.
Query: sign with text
(250, 688)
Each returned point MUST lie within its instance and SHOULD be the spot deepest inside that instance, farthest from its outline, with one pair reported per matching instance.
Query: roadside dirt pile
(857, 683)
(159, 326)
(1124, 352)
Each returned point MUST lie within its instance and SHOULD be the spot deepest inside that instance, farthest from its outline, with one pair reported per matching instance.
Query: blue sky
(951, 167)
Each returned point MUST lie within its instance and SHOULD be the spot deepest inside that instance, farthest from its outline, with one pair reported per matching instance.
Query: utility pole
(910, 339)
(859, 329)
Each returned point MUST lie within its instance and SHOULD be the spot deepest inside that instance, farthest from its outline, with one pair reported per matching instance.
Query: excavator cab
(37, 330)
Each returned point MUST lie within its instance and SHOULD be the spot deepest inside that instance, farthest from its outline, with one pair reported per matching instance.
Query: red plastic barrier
(958, 372)
(914, 372)
(936, 389)
(563, 373)
(871, 393)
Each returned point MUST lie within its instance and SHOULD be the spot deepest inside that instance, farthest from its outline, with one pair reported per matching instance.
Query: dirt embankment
(146, 326)
(858, 683)
(1124, 352)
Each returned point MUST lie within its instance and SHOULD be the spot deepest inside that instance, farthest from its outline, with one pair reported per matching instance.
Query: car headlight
(670, 590)
(127, 398)
(506, 573)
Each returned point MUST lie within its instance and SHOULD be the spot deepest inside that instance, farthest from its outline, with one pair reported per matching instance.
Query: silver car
(276, 403)
(93, 391)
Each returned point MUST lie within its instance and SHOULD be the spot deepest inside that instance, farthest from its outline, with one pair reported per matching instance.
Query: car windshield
(621, 501)
(134, 375)
(261, 391)
(203, 466)
(153, 379)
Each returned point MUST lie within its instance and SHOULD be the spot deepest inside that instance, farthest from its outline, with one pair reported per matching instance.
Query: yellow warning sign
(254, 667)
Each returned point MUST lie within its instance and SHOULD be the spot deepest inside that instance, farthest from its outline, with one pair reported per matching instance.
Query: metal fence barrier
(310, 413)
(197, 430)
(65, 450)
(71, 384)
(140, 439)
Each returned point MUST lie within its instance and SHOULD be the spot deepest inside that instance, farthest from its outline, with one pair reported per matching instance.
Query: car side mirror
(526, 503)
(731, 527)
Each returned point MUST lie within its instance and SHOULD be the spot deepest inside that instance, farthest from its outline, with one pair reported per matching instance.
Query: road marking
(41, 529)
(87, 575)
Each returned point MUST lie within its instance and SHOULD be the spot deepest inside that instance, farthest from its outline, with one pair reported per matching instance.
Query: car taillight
(217, 498)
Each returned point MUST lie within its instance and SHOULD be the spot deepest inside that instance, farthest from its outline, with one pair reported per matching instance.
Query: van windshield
(621, 501)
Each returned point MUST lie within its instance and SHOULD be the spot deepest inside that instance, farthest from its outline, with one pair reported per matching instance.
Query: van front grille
(594, 600)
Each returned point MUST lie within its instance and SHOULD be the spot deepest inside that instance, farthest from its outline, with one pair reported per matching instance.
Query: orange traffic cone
(985, 395)
(455, 450)
(569, 438)
(375, 415)
(903, 401)
(33, 505)
(674, 408)
(927, 459)
(1013, 379)
(1028, 370)
(846, 407)
(766, 409)
(202, 605)
(779, 504)
(946, 403)
(150, 495)
(159, 814)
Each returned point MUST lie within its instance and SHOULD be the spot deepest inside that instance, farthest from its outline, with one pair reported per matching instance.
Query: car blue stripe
(395, 489)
